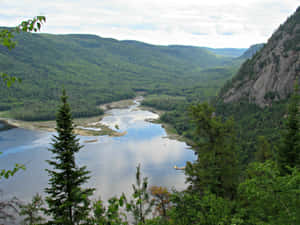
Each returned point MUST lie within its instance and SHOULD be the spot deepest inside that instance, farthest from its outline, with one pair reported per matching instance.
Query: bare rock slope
(271, 73)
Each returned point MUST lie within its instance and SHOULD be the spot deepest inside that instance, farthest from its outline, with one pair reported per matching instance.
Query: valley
(150, 134)
(96, 70)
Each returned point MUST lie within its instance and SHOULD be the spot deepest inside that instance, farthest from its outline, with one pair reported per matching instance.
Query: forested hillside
(97, 70)
(257, 95)
(251, 51)
(232, 52)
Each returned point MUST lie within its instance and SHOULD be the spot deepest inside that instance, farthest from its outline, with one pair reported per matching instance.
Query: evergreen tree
(140, 205)
(32, 211)
(263, 151)
(68, 202)
(215, 169)
(289, 150)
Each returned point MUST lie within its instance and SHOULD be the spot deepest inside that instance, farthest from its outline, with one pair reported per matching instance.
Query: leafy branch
(6, 39)
(8, 173)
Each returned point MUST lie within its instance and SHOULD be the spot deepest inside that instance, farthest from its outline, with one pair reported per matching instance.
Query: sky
(211, 23)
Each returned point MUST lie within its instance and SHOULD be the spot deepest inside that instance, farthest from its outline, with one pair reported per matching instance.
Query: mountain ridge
(271, 73)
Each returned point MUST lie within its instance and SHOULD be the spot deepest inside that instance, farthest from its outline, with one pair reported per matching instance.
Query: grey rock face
(272, 72)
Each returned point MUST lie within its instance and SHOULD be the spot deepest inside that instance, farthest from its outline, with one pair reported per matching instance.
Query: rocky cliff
(271, 73)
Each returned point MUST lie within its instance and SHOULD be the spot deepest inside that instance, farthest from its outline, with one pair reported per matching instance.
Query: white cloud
(215, 23)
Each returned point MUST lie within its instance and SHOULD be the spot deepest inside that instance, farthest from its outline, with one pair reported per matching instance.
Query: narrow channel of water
(111, 160)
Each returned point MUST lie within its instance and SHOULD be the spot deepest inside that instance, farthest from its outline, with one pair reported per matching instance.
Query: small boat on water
(90, 141)
(179, 168)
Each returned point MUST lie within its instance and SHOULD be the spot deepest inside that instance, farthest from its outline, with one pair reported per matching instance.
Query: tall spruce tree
(216, 167)
(289, 150)
(68, 202)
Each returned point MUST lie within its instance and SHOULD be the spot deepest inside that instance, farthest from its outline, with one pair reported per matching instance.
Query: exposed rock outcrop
(271, 73)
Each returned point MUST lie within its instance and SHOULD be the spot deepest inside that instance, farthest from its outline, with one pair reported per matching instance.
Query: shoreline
(49, 126)
(170, 130)
(91, 126)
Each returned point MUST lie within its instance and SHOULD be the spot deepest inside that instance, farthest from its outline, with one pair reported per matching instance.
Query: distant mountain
(96, 70)
(271, 73)
(251, 51)
(229, 52)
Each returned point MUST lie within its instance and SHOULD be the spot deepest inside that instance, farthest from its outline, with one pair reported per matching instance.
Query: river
(111, 160)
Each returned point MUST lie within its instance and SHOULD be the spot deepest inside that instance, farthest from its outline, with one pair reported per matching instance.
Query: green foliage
(140, 206)
(157, 221)
(251, 121)
(6, 39)
(266, 197)
(207, 209)
(110, 215)
(215, 169)
(165, 102)
(8, 173)
(68, 203)
(290, 28)
(32, 211)
(231, 52)
(8, 79)
(289, 149)
(7, 35)
(251, 51)
(32, 111)
(263, 151)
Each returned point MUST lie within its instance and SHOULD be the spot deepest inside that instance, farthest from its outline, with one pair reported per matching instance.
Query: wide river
(111, 160)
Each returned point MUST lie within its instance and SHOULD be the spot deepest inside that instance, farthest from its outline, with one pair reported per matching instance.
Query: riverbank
(170, 130)
(92, 126)
(4, 125)
(89, 126)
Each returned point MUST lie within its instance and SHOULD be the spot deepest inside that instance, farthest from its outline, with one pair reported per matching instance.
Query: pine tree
(289, 150)
(32, 211)
(263, 151)
(140, 205)
(215, 169)
(68, 203)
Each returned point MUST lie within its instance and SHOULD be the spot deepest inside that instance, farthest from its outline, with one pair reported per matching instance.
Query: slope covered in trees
(97, 70)
(257, 95)
(251, 51)
(232, 52)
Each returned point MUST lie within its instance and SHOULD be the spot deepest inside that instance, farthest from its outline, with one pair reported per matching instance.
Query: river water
(111, 160)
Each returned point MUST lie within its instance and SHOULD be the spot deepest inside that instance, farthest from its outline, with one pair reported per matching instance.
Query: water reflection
(112, 161)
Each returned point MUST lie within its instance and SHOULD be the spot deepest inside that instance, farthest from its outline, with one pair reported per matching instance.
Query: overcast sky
(212, 23)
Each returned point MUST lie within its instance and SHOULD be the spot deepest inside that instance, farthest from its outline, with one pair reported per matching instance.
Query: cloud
(159, 22)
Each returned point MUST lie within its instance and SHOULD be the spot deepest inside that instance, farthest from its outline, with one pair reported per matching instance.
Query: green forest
(97, 70)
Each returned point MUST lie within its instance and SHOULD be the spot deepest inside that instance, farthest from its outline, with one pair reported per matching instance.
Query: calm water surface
(111, 160)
